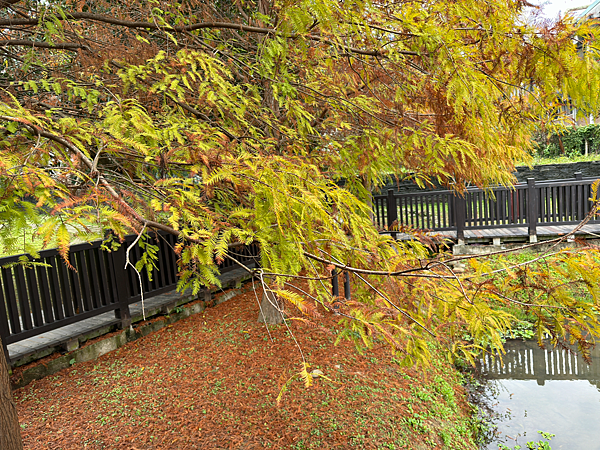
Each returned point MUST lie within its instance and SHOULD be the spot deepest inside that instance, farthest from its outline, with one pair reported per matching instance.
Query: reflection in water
(548, 390)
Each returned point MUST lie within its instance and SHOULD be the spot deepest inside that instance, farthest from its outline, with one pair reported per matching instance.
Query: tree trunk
(560, 144)
(10, 431)
(271, 309)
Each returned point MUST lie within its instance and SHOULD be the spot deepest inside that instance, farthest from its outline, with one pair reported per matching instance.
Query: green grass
(538, 161)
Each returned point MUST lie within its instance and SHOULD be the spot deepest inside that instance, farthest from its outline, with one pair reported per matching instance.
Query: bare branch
(198, 26)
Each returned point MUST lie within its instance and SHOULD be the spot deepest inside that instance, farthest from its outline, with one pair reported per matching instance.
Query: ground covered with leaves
(212, 382)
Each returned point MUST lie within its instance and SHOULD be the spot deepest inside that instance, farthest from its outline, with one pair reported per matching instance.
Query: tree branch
(356, 270)
(197, 26)
(89, 163)
(7, 3)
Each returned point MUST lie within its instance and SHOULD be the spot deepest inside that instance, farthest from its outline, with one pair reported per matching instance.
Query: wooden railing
(530, 204)
(46, 294)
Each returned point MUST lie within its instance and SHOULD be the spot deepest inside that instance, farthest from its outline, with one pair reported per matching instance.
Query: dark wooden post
(347, 295)
(4, 328)
(532, 210)
(460, 211)
(392, 212)
(539, 366)
(120, 277)
(335, 285)
(580, 197)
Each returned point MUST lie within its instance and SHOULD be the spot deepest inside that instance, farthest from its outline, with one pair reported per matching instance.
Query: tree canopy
(271, 122)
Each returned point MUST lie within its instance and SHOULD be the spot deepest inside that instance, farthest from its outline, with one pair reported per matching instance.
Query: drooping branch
(156, 225)
(101, 179)
(142, 24)
(196, 26)
(357, 270)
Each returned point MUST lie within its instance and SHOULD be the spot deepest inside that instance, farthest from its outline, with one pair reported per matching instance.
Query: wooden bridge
(529, 211)
(46, 296)
(527, 361)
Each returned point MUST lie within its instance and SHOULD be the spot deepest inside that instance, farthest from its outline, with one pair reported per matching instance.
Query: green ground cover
(538, 160)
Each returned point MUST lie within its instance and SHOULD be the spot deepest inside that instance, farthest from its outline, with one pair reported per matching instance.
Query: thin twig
(128, 263)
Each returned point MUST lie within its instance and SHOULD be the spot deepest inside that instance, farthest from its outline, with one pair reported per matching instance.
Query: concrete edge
(73, 342)
(94, 350)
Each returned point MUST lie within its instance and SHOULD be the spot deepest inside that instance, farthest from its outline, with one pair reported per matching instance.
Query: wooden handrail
(524, 204)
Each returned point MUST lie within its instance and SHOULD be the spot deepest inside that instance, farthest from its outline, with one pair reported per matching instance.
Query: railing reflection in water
(525, 360)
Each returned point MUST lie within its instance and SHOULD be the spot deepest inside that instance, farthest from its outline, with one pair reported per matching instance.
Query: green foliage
(565, 159)
(149, 256)
(570, 142)
(521, 330)
(540, 445)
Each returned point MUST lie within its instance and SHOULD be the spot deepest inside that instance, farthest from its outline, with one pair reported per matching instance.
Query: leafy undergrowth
(529, 278)
(212, 381)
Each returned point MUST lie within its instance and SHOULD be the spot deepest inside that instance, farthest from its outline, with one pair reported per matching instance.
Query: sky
(552, 8)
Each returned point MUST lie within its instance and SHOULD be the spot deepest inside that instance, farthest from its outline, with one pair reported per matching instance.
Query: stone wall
(559, 171)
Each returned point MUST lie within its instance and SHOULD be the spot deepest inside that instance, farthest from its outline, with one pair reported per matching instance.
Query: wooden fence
(558, 202)
(38, 298)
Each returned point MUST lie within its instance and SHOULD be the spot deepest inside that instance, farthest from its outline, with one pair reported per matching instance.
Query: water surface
(548, 390)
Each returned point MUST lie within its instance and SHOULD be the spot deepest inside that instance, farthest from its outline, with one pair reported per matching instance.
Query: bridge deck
(517, 234)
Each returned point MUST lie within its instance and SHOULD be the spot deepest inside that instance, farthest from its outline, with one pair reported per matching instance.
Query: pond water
(548, 390)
